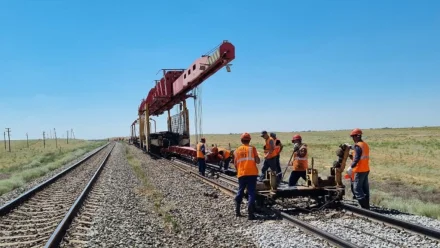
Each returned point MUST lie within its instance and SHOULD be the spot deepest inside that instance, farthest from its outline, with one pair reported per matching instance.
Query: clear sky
(299, 65)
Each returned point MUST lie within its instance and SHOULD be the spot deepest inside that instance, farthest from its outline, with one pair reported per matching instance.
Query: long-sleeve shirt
(356, 159)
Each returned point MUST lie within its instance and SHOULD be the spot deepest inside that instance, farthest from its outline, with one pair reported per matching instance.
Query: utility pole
(55, 133)
(27, 140)
(4, 139)
(44, 139)
(67, 136)
(9, 137)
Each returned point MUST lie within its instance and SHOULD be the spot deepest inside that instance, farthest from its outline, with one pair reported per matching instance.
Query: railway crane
(173, 89)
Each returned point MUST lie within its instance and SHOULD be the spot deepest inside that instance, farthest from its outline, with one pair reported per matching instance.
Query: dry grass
(23, 164)
(405, 169)
(149, 191)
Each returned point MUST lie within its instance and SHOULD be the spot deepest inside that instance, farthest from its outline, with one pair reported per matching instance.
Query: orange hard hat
(296, 137)
(356, 131)
(246, 136)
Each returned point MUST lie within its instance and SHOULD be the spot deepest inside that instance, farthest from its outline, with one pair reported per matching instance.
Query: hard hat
(356, 131)
(214, 150)
(203, 139)
(246, 136)
(296, 137)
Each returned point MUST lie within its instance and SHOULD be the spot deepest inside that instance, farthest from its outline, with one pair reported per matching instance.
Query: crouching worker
(245, 161)
(300, 161)
(224, 163)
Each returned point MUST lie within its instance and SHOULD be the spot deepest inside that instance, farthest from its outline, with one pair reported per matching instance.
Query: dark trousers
(279, 174)
(360, 185)
(295, 176)
(225, 164)
(269, 163)
(202, 166)
(249, 182)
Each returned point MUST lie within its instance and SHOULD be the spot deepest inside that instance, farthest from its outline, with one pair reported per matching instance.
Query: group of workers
(246, 159)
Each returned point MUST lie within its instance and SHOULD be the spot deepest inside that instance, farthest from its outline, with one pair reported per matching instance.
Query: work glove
(349, 171)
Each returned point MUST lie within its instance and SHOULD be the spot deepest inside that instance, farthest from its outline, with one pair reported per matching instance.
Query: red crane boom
(175, 85)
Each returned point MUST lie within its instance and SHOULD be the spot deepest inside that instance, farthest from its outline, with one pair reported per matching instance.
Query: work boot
(251, 215)
(237, 209)
(364, 203)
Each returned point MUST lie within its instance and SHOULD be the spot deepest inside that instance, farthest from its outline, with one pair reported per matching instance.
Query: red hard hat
(296, 137)
(356, 131)
(246, 136)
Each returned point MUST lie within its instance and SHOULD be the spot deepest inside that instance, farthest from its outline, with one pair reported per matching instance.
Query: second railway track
(40, 216)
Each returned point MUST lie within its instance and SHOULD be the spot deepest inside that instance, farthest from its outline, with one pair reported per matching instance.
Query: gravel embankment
(205, 216)
(18, 191)
(419, 220)
(124, 218)
(364, 232)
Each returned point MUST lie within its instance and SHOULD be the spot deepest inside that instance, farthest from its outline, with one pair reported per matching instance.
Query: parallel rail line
(40, 215)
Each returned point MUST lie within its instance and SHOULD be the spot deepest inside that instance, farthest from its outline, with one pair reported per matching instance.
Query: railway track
(41, 216)
(406, 230)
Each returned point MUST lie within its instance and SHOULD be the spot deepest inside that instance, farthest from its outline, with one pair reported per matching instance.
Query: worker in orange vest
(201, 152)
(246, 160)
(224, 164)
(300, 161)
(270, 153)
(360, 168)
(278, 149)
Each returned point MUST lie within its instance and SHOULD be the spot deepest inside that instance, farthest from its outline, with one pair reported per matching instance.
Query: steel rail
(6, 208)
(301, 224)
(430, 232)
(57, 236)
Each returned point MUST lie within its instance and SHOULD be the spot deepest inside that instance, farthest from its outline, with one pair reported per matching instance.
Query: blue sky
(299, 65)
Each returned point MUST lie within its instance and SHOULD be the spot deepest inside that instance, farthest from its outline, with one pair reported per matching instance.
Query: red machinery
(174, 88)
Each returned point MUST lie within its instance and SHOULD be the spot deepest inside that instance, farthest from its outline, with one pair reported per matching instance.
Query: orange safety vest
(364, 162)
(300, 163)
(274, 153)
(244, 161)
(277, 149)
(226, 154)
(199, 150)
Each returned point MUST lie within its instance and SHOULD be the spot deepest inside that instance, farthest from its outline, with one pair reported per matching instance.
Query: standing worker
(201, 152)
(246, 160)
(300, 161)
(279, 148)
(269, 155)
(360, 168)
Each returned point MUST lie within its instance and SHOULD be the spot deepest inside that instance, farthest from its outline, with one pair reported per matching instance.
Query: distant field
(405, 166)
(23, 164)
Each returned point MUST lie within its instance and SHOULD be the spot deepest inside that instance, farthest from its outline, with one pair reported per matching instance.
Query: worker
(300, 161)
(224, 163)
(278, 148)
(245, 160)
(360, 168)
(269, 155)
(201, 152)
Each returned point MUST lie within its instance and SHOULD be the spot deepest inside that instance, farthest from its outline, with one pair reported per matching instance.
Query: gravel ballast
(363, 232)
(29, 185)
(125, 219)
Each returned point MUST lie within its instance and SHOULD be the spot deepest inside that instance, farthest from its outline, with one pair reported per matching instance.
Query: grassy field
(405, 170)
(23, 164)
